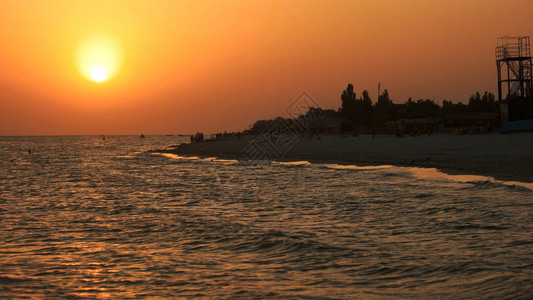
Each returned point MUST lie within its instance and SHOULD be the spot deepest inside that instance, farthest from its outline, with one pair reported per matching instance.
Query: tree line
(364, 111)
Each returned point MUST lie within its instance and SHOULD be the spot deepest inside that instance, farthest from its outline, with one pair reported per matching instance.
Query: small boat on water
(517, 126)
(142, 136)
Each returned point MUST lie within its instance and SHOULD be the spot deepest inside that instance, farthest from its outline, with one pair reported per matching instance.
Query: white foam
(228, 161)
(354, 167)
(294, 163)
(208, 159)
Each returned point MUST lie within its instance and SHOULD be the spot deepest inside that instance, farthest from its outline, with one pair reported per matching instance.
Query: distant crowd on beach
(407, 127)
(474, 128)
(226, 135)
(418, 127)
(199, 137)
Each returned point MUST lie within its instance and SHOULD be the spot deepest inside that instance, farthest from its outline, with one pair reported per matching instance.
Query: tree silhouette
(384, 106)
(363, 108)
(348, 102)
(487, 102)
(366, 99)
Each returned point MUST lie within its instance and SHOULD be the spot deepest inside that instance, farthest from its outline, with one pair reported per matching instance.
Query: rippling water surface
(83, 217)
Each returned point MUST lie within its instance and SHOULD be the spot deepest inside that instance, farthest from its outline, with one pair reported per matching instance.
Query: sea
(106, 217)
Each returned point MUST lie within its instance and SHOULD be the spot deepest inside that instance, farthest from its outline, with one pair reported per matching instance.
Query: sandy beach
(504, 157)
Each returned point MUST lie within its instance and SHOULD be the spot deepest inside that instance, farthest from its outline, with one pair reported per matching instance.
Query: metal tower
(515, 81)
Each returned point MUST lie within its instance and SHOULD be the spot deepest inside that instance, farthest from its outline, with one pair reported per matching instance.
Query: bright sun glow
(98, 73)
(99, 57)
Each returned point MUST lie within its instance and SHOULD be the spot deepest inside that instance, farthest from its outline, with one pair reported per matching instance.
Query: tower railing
(513, 47)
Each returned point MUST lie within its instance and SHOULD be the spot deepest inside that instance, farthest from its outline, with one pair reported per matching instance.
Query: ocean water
(83, 217)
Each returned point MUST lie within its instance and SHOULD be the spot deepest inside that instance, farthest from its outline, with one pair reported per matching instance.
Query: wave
(196, 158)
(277, 244)
(417, 172)
(478, 180)
(436, 174)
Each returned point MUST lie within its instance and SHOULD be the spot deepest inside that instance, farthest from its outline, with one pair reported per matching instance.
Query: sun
(98, 73)
(99, 57)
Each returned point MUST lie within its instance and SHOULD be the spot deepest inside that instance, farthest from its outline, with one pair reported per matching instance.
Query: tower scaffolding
(515, 78)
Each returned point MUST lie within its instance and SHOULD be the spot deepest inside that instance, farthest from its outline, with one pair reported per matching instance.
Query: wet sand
(503, 157)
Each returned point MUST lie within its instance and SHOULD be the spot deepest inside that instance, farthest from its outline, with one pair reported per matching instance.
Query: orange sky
(211, 66)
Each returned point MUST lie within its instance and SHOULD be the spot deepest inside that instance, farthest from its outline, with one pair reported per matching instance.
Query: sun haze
(99, 57)
(182, 67)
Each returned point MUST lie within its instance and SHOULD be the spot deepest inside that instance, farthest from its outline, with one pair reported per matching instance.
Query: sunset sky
(186, 66)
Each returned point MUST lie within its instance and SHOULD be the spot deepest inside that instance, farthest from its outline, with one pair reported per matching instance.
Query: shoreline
(502, 157)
